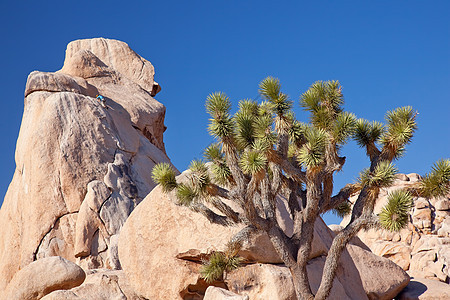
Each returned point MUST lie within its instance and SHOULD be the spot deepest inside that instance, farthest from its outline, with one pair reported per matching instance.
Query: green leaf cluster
(312, 153)
(437, 182)
(253, 162)
(343, 209)
(367, 132)
(270, 89)
(199, 177)
(218, 263)
(394, 216)
(324, 101)
(221, 125)
(219, 169)
(400, 127)
(382, 176)
(164, 174)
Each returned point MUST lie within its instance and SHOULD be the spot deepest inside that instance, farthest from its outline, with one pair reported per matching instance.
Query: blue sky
(386, 54)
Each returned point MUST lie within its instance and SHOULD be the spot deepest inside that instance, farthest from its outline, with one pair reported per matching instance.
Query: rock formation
(81, 168)
(423, 248)
(75, 225)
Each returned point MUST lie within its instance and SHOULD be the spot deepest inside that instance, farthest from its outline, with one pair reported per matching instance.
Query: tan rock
(401, 177)
(425, 289)
(262, 281)
(442, 204)
(116, 54)
(174, 231)
(100, 285)
(398, 253)
(68, 140)
(216, 293)
(42, 277)
(429, 242)
(373, 271)
(414, 177)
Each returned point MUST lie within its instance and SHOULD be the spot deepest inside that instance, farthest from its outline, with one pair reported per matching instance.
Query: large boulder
(81, 167)
(43, 277)
(98, 285)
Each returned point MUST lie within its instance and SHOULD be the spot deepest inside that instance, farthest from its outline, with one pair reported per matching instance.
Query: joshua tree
(262, 151)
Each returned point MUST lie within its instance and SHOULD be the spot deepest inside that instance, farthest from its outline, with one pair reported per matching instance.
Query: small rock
(442, 204)
(216, 293)
(44, 276)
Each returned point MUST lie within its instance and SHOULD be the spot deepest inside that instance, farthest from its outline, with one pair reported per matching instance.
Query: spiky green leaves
(220, 262)
(367, 132)
(164, 174)
(218, 106)
(186, 194)
(213, 153)
(270, 89)
(382, 176)
(312, 153)
(394, 216)
(437, 183)
(401, 125)
(343, 127)
(219, 169)
(342, 209)
(253, 162)
(324, 101)
(245, 129)
(199, 177)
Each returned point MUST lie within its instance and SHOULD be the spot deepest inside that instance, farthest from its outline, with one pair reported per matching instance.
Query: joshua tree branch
(343, 195)
(210, 215)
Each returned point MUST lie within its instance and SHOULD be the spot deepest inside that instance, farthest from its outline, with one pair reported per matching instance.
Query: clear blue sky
(385, 54)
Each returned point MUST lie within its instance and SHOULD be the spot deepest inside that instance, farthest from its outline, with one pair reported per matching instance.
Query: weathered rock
(68, 141)
(442, 204)
(154, 235)
(398, 253)
(42, 277)
(100, 285)
(216, 293)
(425, 289)
(420, 248)
(262, 281)
(381, 278)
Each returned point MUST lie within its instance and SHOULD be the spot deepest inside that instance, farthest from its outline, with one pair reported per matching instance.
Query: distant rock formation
(423, 248)
(81, 168)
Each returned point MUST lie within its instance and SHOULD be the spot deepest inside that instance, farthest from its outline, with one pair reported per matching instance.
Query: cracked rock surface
(81, 168)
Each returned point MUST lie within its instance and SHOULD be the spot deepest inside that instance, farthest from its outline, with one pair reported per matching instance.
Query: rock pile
(423, 248)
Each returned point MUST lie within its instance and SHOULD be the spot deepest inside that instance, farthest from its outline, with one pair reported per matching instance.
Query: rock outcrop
(42, 277)
(423, 248)
(81, 167)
